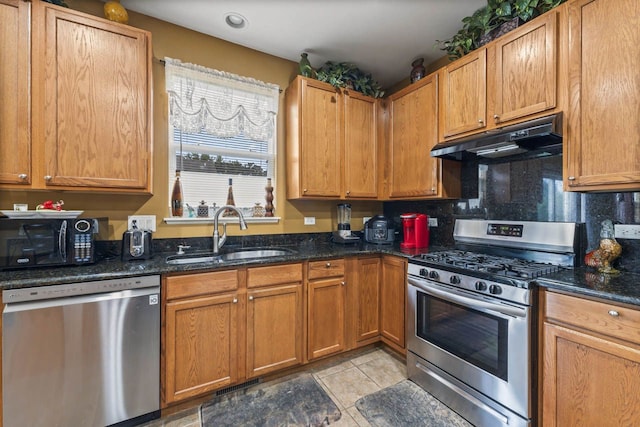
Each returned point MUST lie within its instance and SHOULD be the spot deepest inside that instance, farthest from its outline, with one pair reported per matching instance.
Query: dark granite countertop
(622, 288)
(115, 268)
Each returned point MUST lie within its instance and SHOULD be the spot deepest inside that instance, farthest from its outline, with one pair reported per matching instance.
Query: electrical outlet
(365, 219)
(627, 231)
(433, 222)
(144, 222)
(309, 220)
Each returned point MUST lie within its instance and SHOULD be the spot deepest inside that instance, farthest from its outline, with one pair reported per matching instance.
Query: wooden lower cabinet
(392, 301)
(200, 334)
(363, 300)
(326, 297)
(590, 363)
(274, 318)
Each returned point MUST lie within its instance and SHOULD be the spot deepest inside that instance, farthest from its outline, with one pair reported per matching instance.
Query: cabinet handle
(250, 297)
(348, 192)
(235, 300)
(342, 283)
(22, 176)
(571, 178)
(614, 313)
(480, 121)
(304, 190)
(47, 177)
(496, 117)
(328, 265)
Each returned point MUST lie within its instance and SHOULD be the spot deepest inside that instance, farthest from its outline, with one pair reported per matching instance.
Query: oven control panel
(510, 230)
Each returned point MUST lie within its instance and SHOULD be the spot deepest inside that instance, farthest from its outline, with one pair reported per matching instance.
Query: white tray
(45, 213)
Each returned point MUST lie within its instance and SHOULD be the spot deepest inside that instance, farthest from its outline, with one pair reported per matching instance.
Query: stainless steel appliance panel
(86, 360)
(511, 377)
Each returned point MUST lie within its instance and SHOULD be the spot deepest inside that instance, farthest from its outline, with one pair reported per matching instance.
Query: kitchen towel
(407, 405)
(296, 402)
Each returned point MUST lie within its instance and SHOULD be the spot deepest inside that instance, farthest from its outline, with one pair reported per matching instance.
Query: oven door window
(476, 337)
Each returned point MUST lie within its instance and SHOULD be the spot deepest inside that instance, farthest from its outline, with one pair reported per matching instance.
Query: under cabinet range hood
(535, 138)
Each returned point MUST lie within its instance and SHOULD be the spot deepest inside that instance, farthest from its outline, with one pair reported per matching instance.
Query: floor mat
(296, 402)
(407, 405)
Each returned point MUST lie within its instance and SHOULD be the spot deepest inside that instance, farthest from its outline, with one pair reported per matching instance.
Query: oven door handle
(456, 297)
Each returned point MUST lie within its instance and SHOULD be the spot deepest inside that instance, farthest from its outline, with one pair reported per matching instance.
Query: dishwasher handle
(153, 294)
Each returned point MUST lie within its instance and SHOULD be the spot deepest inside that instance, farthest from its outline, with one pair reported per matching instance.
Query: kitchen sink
(234, 255)
(254, 253)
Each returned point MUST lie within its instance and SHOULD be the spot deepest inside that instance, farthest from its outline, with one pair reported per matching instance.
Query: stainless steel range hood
(535, 138)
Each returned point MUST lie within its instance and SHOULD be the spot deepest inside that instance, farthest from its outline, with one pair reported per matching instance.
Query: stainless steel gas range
(471, 315)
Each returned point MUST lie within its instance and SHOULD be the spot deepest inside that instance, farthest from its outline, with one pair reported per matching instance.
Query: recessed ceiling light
(235, 20)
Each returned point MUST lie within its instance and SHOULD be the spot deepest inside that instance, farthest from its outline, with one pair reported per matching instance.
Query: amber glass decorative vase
(114, 11)
(268, 209)
(176, 197)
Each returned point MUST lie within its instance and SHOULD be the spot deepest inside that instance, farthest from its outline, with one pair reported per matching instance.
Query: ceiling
(381, 37)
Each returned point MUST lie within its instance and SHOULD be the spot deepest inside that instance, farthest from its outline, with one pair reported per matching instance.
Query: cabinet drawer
(603, 317)
(327, 268)
(201, 283)
(273, 275)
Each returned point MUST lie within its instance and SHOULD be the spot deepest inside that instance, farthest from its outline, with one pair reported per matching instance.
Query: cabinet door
(392, 301)
(320, 145)
(588, 381)
(96, 102)
(200, 345)
(274, 329)
(364, 306)
(603, 149)
(463, 95)
(15, 112)
(326, 311)
(412, 172)
(360, 146)
(524, 80)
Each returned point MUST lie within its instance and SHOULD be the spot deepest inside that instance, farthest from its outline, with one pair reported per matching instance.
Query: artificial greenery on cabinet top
(477, 29)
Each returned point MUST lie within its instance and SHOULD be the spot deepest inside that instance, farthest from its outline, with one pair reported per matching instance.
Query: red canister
(421, 231)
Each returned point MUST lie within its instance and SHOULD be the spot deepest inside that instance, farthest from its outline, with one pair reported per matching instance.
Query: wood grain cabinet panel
(363, 300)
(603, 144)
(590, 363)
(411, 172)
(331, 142)
(15, 92)
(392, 301)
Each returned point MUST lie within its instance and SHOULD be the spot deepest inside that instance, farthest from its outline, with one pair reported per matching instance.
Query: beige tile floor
(345, 379)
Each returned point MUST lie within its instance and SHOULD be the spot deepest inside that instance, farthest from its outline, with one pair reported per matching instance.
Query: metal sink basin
(191, 259)
(254, 253)
(235, 255)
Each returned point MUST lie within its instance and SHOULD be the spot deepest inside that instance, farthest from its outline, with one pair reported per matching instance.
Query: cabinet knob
(571, 178)
(614, 313)
(48, 177)
(342, 283)
(304, 190)
(235, 300)
(328, 265)
(496, 117)
(250, 297)
(23, 176)
(480, 121)
(348, 192)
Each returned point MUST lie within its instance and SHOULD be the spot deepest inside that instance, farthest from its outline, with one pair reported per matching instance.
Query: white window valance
(219, 103)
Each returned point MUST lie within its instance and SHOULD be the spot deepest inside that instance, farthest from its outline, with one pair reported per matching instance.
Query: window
(221, 126)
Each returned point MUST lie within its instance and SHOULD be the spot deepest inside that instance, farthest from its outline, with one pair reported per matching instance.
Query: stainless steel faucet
(218, 241)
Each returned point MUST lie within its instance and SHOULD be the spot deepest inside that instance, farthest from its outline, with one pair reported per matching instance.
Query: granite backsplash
(528, 190)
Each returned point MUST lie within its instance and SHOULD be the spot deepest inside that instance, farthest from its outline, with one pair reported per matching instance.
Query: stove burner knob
(495, 290)
(481, 286)
(433, 274)
(454, 280)
(424, 272)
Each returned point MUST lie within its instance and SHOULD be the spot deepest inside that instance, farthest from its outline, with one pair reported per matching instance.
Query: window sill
(221, 220)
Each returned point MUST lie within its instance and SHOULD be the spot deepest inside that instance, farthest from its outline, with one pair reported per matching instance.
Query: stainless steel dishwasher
(82, 354)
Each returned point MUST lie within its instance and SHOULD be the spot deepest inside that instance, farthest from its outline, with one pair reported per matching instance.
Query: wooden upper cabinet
(15, 112)
(314, 160)
(92, 102)
(603, 141)
(522, 69)
(411, 172)
(360, 146)
(463, 95)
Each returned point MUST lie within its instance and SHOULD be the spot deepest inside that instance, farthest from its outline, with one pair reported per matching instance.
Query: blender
(343, 235)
